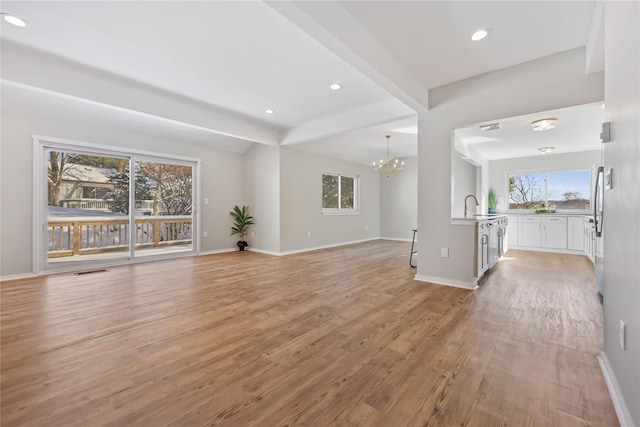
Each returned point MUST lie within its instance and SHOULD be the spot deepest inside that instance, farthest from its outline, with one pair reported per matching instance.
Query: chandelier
(391, 166)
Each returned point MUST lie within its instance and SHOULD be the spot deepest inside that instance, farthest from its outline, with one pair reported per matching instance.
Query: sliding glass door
(87, 207)
(164, 207)
(106, 206)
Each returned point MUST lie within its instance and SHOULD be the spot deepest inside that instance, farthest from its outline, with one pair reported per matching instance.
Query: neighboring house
(85, 187)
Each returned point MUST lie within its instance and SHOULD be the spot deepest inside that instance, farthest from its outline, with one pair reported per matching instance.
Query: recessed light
(544, 124)
(480, 34)
(545, 150)
(269, 111)
(336, 86)
(14, 20)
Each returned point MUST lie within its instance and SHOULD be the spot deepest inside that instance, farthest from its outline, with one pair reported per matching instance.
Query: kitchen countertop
(476, 218)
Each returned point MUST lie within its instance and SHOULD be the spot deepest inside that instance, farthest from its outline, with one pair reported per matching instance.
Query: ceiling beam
(595, 40)
(36, 70)
(332, 26)
(359, 118)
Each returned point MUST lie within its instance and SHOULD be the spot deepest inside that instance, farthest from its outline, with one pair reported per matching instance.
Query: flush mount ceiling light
(14, 20)
(545, 150)
(269, 111)
(480, 34)
(391, 166)
(336, 86)
(544, 124)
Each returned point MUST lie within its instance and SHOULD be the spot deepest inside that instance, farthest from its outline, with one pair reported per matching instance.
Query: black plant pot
(242, 244)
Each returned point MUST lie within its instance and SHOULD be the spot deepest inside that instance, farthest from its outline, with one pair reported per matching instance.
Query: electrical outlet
(308, 234)
(444, 252)
(206, 201)
(623, 335)
(253, 234)
(205, 234)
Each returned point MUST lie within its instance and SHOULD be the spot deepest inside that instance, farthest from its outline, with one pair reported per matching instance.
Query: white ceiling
(578, 129)
(433, 38)
(244, 57)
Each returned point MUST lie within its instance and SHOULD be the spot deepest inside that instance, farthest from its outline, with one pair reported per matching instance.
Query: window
(566, 190)
(339, 193)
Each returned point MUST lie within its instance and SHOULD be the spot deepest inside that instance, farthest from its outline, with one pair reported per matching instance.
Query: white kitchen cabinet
(589, 239)
(530, 231)
(482, 254)
(554, 232)
(542, 232)
(575, 233)
(512, 231)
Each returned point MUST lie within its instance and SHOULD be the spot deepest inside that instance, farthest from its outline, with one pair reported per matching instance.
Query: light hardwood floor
(341, 336)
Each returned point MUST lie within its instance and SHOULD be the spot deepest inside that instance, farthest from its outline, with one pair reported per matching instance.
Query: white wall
(498, 169)
(16, 173)
(463, 183)
(399, 202)
(508, 92)
(301, 202)
(262, 194)
(621, 228)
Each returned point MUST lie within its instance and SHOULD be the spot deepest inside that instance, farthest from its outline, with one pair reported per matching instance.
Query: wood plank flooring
(342, 336)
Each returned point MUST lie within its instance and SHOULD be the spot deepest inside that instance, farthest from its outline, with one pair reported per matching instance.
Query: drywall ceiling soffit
(21, 100)
(241, 57)
(363, 146)
(41, 71)
(432, 38)
(578, 129)
(369, 115)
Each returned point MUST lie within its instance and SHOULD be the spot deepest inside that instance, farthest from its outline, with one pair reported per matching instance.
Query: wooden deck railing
(75, 236)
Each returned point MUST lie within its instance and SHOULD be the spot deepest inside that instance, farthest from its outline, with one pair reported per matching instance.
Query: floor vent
(82, 273)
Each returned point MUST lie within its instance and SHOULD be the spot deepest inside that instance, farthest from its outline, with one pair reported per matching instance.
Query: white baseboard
(313, 248)
(18, 277)
(217, 251)
(334, 245)
(624, 416)
(472, 286)
(555, 251)
(263, 251)
(397, 239)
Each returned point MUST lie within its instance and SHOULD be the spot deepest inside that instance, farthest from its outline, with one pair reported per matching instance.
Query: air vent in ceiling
(491, 126)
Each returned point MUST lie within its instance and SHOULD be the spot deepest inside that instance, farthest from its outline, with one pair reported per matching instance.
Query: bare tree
(525, 191)
(59, 162)
(173, 192)
(571, 195)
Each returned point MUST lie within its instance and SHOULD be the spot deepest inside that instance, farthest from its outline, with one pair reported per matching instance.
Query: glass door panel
(164, 201)
(87, 207)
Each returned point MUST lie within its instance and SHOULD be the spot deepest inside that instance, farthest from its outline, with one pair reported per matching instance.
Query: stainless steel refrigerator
(598, 218)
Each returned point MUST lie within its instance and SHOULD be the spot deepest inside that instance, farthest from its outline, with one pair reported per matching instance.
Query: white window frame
(356, 196)
(545, 171)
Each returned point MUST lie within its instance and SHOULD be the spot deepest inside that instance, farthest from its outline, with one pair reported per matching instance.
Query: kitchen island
(489, 237)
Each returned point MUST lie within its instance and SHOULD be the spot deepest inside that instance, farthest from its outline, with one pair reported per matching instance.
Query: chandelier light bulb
(390, 166)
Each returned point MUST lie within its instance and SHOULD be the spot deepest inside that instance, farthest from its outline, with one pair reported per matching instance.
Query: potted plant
(492, 202)
(241, 222)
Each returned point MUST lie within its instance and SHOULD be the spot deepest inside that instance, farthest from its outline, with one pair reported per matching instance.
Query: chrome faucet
(465, 203)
